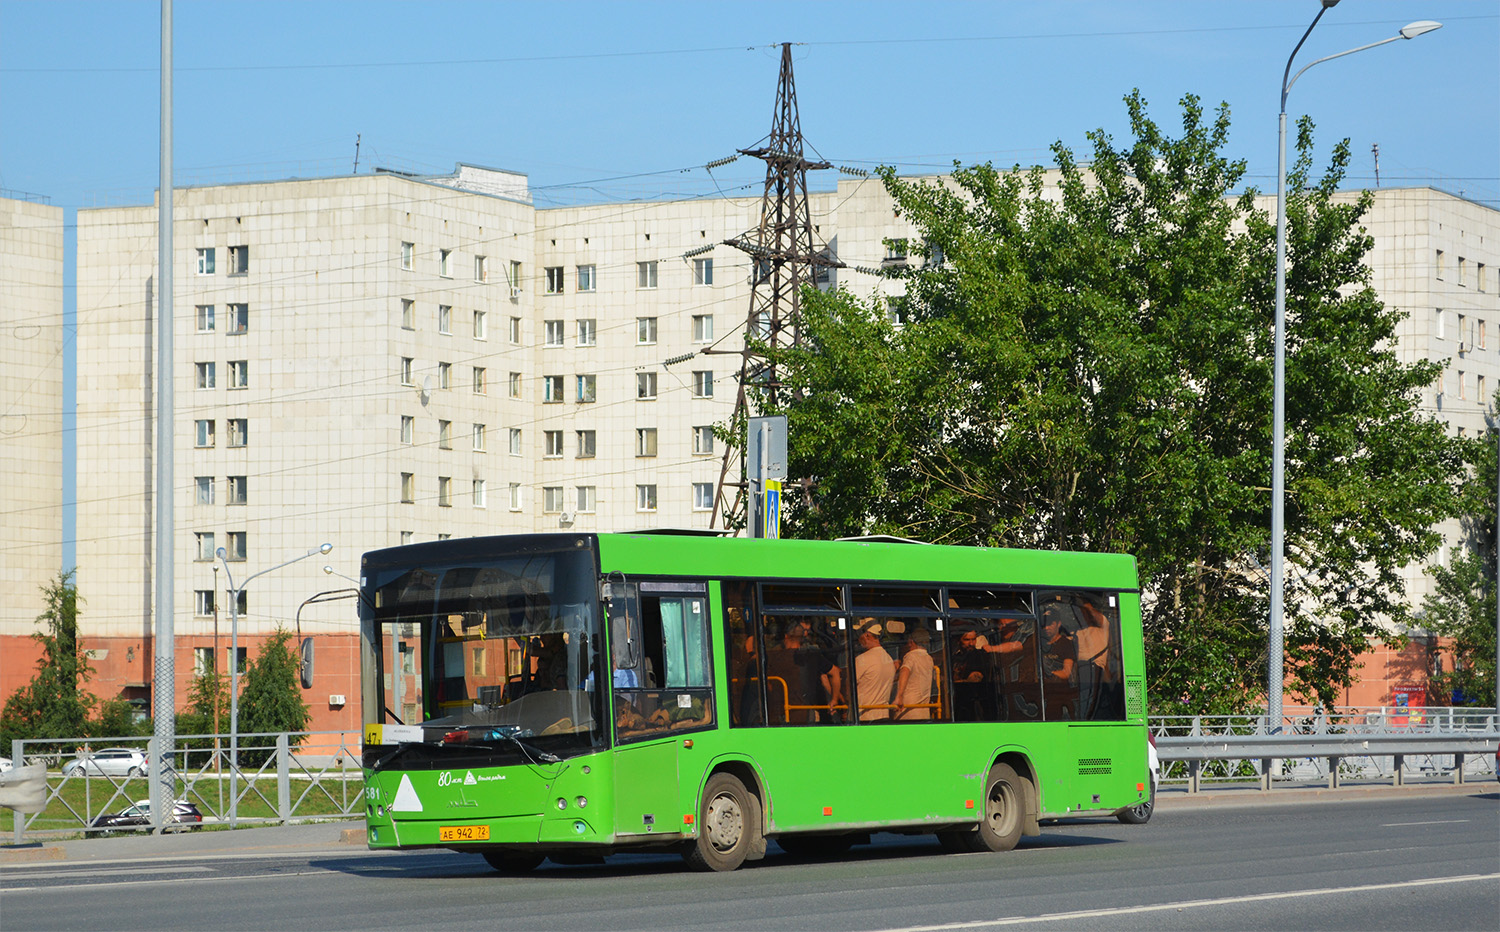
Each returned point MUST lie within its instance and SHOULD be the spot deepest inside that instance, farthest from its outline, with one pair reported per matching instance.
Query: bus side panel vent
(1102, 766)
(1135, 698)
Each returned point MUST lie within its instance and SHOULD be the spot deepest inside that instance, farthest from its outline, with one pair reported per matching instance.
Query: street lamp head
(1420, 27)
(1330, 4)
(325, 548)
(221, 553)
(328, 569)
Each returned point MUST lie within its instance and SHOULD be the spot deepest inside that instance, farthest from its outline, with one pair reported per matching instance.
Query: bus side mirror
(307, 663)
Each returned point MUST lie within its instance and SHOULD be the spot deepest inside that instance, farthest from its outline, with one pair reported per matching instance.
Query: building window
(763, 325)
(203, 661)
(586, 500)
(408, 251)
(645, 274)
(1479, 276)
(479, 383)
(553, 329)
(237, 489)
(205, 318)
(515, 385)
(515, 278)
(1463, 394)
(445, 375)
(406, 370)
(239, 373)
(241, 660)
(515, 441)
(239, 431)
(554, 279)
(645, 330)
(445, 318)
(206, 261)
(587, 386)
(515, 496)
(478, 438)
(1462, 319)
(239, 318)
(235, 547)
(552, 389)
(408, 429)
(703, 496)
(205, 433)
(515, 331)
(205, 375)
(239, 260)
(1479, 388)
(645, 498)
(703, 384)
(554, 441)
(445, 260)
(203, 602)
(645, 386)
(703, 328)
(203, 490)
(1479, 334)
(1439, 330)
(408, 314)
(445, 491)
(645, 441)
(588, 332)
(203, 543)
(552, 499)
(481, 269)
(406, 537)
(703, 271)
(1438, 262)
(478, 493)
(586, 278)
(445, 435)
(586, 442)
(479, 332)
(1462, 267)
(408, 487)
(703, 439)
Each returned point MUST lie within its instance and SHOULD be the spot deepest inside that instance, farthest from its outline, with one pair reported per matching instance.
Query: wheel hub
(725, 823)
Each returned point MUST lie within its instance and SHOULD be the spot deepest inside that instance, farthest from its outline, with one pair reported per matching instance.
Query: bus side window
(746, 698)
(675, 687)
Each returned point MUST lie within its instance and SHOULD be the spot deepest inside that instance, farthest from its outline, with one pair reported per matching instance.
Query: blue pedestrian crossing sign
(772, 510)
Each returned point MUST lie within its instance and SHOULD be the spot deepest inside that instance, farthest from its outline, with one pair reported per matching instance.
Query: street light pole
(234, 669)
(1278, 406)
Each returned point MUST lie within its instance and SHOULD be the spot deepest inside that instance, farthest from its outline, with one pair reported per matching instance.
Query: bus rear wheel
(728, 825)
(513, 862)
(1006, 796)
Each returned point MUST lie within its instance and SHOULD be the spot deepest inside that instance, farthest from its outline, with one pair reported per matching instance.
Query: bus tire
(728, 825)
(1006, 798)
(1140, 813)
(514, 862)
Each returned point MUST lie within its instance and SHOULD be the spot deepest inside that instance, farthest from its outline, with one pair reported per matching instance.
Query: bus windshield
(489, 657)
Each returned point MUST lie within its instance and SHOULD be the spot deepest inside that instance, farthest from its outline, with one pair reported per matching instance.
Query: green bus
(574, 695)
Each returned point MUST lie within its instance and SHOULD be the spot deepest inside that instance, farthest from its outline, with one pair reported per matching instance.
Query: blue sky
(612, 101)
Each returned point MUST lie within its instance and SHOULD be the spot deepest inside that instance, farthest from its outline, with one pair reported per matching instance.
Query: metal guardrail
(1388, 744)
(281, 778)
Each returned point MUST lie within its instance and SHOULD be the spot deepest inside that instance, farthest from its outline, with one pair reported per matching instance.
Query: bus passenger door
(663, 687)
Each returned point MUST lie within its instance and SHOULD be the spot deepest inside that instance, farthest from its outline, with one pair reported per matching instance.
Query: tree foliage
(271, 696)
(1462, 605)
(1085, 362)
(55, 703)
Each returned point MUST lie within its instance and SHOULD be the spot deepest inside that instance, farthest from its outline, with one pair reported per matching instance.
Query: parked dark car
(139, 816)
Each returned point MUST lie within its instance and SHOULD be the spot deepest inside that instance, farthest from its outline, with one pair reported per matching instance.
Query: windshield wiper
(478, 737)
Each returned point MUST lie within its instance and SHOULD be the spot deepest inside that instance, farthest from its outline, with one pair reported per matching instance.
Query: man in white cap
(874, 674)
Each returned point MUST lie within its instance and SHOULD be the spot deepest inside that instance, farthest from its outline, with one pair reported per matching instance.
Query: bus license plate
(464, 833)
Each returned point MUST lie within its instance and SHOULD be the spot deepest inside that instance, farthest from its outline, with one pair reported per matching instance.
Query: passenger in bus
(1059, 661)
(550, 661)
(1097, 666)
(829, 650)
(788, 683)
(914, 685)
(874, 674)
(973, 691)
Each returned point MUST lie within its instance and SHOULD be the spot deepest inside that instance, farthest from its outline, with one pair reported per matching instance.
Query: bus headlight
(582, 802)
(562, 803)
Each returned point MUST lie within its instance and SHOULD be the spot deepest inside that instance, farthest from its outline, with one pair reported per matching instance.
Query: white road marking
(1191, 904)
(1438, 822)
(50, 875)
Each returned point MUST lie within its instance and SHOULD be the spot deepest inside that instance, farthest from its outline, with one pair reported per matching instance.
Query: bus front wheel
(728, 825)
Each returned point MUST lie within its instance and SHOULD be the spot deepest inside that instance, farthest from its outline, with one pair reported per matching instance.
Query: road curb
(1228, 798)
(354, 836)
(25, 854)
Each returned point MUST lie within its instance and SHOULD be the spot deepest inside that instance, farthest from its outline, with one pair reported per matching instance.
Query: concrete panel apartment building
(377, 359)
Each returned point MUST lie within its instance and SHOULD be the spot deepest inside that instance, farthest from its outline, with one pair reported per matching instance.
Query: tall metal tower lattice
(784, 258)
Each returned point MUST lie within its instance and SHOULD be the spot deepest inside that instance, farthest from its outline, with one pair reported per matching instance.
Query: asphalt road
(1429, 862)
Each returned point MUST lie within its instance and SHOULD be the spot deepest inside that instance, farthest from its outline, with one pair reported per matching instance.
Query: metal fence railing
(281, 778)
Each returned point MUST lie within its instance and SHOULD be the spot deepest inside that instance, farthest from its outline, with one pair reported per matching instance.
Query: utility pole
(783, 258)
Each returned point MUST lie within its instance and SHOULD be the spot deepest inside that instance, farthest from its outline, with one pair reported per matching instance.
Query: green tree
(1089, 367)
(271, 697)
(53, 705)
(1462, 605)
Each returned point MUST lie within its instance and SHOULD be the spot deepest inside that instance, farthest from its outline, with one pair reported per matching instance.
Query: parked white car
(109, 762)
